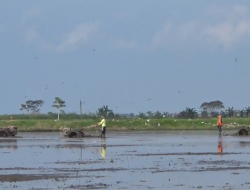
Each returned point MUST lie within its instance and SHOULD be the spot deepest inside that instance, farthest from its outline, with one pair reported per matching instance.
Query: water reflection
(10, 144)
(220, 147)
(103, 148)
(244, 143)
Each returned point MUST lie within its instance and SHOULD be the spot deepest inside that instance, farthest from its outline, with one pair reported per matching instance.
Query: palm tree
(191, 113)
(157, 115)
(242, 112)
(230, 112)
(104, 111)
(247, 110)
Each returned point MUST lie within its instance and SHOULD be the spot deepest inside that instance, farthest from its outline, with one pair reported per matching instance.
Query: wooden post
(81, 108)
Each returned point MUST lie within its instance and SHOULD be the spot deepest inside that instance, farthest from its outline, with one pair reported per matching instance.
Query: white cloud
(162, 35)
(234, 29)
(173, 35)
(80, 34)
(226, 27)
(170, 35)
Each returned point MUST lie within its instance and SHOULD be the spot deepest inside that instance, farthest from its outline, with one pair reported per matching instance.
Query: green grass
(124, 124)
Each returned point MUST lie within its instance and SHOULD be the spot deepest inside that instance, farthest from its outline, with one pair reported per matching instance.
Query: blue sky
(121, 53)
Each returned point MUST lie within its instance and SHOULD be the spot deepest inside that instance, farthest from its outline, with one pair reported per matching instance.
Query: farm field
(126, 160)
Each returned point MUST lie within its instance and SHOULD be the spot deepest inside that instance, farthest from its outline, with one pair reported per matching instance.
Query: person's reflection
(11, 145)
(103, 148)
(220, 146)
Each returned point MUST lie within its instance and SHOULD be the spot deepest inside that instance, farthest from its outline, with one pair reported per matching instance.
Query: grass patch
(125, 124)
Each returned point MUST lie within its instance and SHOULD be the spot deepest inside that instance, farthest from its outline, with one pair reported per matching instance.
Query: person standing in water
(220, 123)
(103, 124)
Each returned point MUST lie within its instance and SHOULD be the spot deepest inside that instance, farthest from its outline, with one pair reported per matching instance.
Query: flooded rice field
(126, 160)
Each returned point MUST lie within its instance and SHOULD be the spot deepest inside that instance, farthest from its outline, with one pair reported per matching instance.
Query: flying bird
(235, 59)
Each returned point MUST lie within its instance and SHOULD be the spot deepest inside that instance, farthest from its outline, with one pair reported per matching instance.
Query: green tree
(150, 114)
(214, 113)
(191, 113)
(131, 115)
(247, 110)
(157, 115)
(105, 111)
(242, 112)
(111, 114)
(142, 115)
(33, 106)
(58, 104)
(204, 114)
(230, 112)
(182, 114)
(204, 106)
(212, 106)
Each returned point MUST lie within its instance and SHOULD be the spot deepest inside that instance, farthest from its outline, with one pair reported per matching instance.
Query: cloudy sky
(132, 55)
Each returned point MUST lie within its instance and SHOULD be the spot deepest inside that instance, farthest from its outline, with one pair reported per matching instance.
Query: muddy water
(126, 160)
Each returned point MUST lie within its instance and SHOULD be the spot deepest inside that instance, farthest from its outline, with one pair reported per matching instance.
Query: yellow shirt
(103, 123)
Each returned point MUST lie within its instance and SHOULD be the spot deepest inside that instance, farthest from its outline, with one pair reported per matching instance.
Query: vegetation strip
(39, 125)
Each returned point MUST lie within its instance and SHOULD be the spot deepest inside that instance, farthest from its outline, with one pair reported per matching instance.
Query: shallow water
(126, 160)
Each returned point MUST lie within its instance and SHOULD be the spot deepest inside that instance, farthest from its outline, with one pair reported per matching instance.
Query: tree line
(208, 109)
